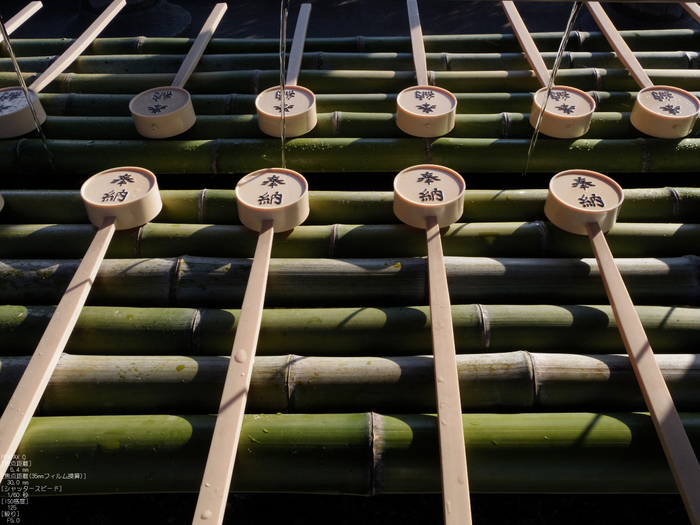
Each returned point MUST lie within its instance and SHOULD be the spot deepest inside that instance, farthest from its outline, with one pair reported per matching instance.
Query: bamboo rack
(346, 326)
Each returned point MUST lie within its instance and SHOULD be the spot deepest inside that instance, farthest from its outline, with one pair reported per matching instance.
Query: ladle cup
(568, 111)
(115, 199)
(167, 111)
(20, 18)
(587, 203)
(269, 200)
(423, 110)
(664, 112)
(299, 102)
(431, 197)
(16, 117)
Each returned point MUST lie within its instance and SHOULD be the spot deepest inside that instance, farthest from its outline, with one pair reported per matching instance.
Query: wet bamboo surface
(343, 381)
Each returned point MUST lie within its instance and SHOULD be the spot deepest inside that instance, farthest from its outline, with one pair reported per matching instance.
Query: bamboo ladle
(20, 18)
(423, 110)
(587, 203)
(665, 112)
(299, 102)
(269, 200)
(167, 111)
(432, 197)
(568, 111)
(115, 199)
(16, 117)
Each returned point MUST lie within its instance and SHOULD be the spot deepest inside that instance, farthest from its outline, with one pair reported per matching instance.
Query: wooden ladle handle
(297, 52)
(674, 440)
(526, 42)
(623, 51)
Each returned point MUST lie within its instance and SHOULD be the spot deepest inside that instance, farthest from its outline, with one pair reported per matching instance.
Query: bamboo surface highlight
(342, 391)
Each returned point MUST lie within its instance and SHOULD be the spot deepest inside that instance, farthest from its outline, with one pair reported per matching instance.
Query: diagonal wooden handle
(24, 401)
(453, 455)
(693, 9)
(78, 46)
(213, 492)
(674, 439)
(200, 44)
(623, 51)
(21, 17)
(526, 42)
(297, 52)
(417, 43)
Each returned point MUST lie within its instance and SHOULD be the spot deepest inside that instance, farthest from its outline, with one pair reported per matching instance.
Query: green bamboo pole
(108, 105)
(337, 124)
(387, 331)
(652, 40)
(169, 64)
(362, 81)
(220, 282)
(356, 453)
(650, 205)
(503, 239)
(515, 381)
(74, 160)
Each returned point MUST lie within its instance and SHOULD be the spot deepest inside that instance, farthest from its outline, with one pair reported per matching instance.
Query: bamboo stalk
(503, 239)
(363, 81)
(675, 205)
(356, 453)
(235, 156)
(386, 331)
(219, 282)
(443, 61)
(651, 40)
(502, 382)
(108, 105)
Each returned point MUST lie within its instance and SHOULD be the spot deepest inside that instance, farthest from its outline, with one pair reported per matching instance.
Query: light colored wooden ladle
(269, 200)
(587, 203)
(568, 111)
(431, 197)
(423, 110)
(167, 111)
(665, 112)
(16, 117)
(115, 199)
(20, 18)
(299, 102)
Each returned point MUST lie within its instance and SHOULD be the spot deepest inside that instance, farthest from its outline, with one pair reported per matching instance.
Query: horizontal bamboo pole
(474, 239)
(108, 105)
(650, 40)
(362, 81)
(511, 382)
(673, 205)
(336, 124)
(80, 159)
(220, 282)
(329, 332)
(169, 64)
(360, 454)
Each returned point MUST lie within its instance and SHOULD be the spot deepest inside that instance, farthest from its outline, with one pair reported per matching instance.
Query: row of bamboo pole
(498, 239)
(361, 331)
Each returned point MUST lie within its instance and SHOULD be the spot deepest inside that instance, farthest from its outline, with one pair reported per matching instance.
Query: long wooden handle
(21, 17)
(213, 492)
(200, 44)
(453, 455)
(297, 51)
(526, 42)
(674, 439)
(417, 43)
(24, 401)
(693, 9)
(78, 46)
(623, 51)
